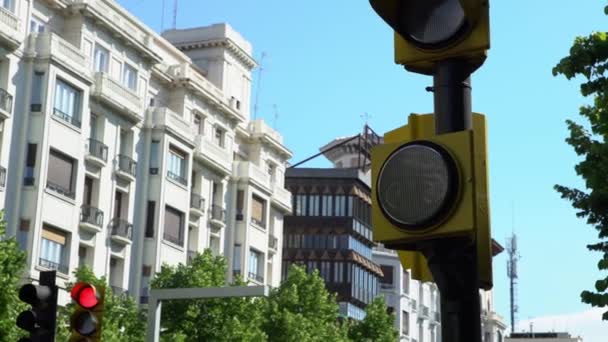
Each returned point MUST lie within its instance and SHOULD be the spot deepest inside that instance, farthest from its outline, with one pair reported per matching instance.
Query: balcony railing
(52, 265)
(197, 202)
(273, 242)
(71, 119)
(218, 213)
(122, 228)
(117, 95)
(257, 277)
(98, 149)
(126, 164)
(60, 190)
(91, 215)
(2, 177)
(177, 178)
(6, 101)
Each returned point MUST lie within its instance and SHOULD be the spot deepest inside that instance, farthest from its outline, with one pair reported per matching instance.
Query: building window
(406, 282)
(327, 205)
(61, 174)
(174, 226)
(387, 279)
(53, 250)
(36, 25)
(129, 77)
(36, 96)
(218, 136)
(256, 265)
(67, 103)
(301, 205)
(240, 204)
(236, 263)
(177, 166)
(340, 205)
(150, 219)
(314, 205)
(405, 323)
(30, 164)
(258, 211)
(9, 5)
(101, 56)
(154, 164)
(199, 124)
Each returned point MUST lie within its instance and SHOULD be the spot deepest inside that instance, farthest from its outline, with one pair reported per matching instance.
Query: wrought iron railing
(216, 212)
(52, 265)
(257, 277)
(60, 189)
(197, 202)
(72, 119)
(98, 149)
(92, 215)
(122, 228)
(126, 164)
(6, 101)
(177, 178)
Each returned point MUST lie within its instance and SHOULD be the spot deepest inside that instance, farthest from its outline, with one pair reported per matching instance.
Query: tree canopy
(588, 58)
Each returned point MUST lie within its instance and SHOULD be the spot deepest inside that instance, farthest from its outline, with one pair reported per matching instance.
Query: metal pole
(453, 263)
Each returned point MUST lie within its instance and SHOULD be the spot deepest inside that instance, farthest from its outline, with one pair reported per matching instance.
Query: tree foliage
(123, 319)
(377, 326)
(589, 58)
(12, 264)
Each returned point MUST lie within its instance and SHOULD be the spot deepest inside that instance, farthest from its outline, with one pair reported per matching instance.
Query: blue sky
(330, 61)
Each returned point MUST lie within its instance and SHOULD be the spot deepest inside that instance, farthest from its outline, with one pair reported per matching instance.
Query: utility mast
(174, 15)
(259, 87)
(512, 274)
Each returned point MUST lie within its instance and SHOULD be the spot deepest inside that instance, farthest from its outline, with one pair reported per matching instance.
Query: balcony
(217, 215)
(197, 205)
(121, 98)
(261, 130)
(97, 152)
(52, 265)
(60, 190)
(6, 104)
(273, 243)
(91, 218)
(52, 46)
(253, 174)
(258, 278)
(177, 178)
(164, 118)
(125, 167)
(121, 230)
(2, 177)
(10, 37)
(71, 119)
(281, 198)
(219, 158)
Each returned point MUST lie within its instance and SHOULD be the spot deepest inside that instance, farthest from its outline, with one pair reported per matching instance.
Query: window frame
(97, 66)
(126, 68)
(177, 165)
(71, 191)
(260, 222)
(180, 238)
(72, 114)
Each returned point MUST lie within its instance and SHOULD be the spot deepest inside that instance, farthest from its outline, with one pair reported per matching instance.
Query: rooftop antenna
(257, 93)
(365, 116)
(162, 17)
(174, 14)
(512, 271)
(276, 117)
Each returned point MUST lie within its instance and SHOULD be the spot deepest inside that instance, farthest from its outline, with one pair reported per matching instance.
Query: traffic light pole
(453, 263)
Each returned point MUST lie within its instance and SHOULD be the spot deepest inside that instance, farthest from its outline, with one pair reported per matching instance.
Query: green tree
(589, 58)
(377, 326)
(222, 319)
(12, 263)
(123, 319)
(301, 309)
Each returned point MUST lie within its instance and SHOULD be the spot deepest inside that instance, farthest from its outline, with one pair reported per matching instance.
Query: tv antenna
(258, 88)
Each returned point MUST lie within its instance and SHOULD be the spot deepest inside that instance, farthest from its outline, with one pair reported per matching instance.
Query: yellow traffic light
(428, 31)
(427, 187)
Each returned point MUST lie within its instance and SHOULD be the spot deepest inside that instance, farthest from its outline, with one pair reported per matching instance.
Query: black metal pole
(453, 263)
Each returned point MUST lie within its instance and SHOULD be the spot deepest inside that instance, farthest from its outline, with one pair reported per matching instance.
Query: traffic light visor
(417, 185)
(432, 23)
(85, 295)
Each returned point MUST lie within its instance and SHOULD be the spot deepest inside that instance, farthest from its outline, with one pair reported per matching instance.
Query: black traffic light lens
(432, 23)
(85, 323)
(27, 320)
(417, 185)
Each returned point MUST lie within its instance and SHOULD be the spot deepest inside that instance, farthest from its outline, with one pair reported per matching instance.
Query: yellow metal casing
(470, 217)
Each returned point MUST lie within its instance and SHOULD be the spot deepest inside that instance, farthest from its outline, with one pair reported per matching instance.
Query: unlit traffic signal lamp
(40, 319)
(86, 319)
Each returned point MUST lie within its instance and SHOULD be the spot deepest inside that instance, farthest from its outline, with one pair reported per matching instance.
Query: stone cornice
(226, 43)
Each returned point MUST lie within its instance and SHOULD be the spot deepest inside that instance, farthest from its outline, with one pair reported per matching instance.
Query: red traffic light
(85, 295)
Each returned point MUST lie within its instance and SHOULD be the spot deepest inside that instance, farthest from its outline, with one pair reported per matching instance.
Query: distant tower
(512, 274)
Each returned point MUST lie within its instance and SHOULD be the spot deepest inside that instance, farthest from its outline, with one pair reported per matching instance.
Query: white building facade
(123, 150)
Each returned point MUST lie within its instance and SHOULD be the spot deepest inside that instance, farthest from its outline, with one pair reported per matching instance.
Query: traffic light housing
(428, 31)
(40, 319)
(86, 320)
(419, 203)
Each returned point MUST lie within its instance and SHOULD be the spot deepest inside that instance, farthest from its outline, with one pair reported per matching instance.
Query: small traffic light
(428, 31)
(427, 187)
(40, 320)
(86, 319)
